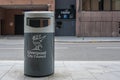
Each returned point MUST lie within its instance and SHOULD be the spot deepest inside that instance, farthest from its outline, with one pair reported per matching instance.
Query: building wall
(8, 14)
(97, 23)
(29, 2)
(88, 23)
(18, 2)
(9, 20)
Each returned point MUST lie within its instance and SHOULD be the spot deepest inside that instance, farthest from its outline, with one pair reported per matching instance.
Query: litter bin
(39, 43)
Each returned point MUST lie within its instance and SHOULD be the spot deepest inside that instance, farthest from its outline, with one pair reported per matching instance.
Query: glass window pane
(86, 5)
(115, 4)
(100, 5)
(94, 5)
(107, 5)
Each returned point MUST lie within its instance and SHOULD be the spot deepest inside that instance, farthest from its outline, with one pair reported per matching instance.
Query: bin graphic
(39, 43)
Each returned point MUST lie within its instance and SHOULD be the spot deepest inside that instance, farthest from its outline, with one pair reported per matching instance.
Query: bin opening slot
(38, 22)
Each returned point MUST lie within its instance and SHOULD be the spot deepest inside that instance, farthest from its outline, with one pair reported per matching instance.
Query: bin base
(39, 76)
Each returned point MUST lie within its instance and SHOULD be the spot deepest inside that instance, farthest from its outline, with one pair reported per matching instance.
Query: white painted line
(64, 43)
(11, 43)
(107, 47)
(61, 48)
(68, 43)
(11, 48)
(23, 48)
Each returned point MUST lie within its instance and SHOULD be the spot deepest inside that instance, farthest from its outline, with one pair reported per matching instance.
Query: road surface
(107, 51)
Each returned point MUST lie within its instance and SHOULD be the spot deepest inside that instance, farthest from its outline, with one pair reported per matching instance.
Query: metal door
(19, 24)
(65, 28)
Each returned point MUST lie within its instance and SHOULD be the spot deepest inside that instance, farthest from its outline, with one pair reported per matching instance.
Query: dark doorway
(2, 26)
(19, 24)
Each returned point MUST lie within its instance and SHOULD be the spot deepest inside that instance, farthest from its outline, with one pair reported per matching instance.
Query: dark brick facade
(10, 8)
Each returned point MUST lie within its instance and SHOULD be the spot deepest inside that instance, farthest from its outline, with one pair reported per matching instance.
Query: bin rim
(37, 12)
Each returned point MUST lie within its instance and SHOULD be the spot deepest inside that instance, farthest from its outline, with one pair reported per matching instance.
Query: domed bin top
(39, 22)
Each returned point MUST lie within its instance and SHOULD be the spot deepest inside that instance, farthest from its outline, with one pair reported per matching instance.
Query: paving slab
(65, 70)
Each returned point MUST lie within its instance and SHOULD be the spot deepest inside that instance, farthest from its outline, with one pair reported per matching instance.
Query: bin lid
(40, 13)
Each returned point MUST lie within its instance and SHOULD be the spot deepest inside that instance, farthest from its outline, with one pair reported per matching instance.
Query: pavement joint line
(11, 48)
(86, 41)
(61, 48)
(92, 75)
(23, 48)
(107, 47)
(7, 72)
(11, 43)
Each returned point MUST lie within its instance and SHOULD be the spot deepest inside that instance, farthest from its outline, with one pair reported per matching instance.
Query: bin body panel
(39, 54)
(38, 50)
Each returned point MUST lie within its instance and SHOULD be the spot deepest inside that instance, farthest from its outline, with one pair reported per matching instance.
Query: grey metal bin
(39, 43)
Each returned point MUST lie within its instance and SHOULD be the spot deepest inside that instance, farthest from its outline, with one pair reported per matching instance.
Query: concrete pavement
(69, 38)
(86, 39)
(65, 70)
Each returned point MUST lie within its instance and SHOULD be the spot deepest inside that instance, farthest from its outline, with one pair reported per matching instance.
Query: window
(115, 4)
(94, 5)
(100, 5)
(107, 5)
(86, 5)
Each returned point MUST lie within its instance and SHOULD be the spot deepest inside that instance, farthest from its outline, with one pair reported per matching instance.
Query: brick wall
(98, 24)
(9, 23)
(29, 2)
(7, 15)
